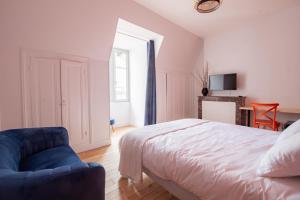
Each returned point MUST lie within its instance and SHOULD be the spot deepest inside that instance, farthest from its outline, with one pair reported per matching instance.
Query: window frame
(113, 70)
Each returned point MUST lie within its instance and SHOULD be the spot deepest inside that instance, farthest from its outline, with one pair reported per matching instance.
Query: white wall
(138, 79)
(120, 112)
(132, 112)
(85, 29)
(265, 54)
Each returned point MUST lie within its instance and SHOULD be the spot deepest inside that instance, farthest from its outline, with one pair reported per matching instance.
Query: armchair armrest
(81, 181)
(33, 140)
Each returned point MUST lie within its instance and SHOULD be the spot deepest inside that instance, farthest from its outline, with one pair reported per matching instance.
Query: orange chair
(265, 115)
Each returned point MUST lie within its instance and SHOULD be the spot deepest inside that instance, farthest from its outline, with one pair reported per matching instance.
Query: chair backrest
(265, 111)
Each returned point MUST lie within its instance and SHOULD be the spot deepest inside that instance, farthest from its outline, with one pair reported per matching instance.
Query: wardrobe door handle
(63, 103)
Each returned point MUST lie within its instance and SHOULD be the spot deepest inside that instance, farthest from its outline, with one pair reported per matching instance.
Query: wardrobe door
(161, 94)
(176, 86)
(75, 115)
(43, 81)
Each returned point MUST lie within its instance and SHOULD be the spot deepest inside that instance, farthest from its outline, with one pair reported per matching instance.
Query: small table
(249, 109)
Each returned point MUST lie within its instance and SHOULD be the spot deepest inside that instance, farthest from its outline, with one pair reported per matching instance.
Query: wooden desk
(249, 109)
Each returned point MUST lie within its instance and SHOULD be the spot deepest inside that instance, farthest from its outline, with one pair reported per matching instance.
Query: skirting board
(171, 187)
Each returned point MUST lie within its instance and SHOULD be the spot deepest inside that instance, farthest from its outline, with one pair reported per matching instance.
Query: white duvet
(132, 145)
(216, 161)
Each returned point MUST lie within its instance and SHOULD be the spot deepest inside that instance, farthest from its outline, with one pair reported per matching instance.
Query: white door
(189, 96)
(176, 84)
(44, 93)
(179, 95)
(75, 115)
(161, 90)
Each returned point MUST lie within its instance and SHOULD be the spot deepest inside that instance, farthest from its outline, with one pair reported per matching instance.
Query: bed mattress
(217, 161)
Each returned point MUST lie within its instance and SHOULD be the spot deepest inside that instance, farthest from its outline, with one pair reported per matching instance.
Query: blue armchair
(39, 164)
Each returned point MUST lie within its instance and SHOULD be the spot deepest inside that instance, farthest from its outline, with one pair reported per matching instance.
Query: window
(120, 75)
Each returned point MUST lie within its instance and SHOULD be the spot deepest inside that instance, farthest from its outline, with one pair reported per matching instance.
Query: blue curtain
(150, 107)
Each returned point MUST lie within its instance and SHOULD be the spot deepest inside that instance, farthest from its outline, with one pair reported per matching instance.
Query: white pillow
(283, 159)
(291, 130)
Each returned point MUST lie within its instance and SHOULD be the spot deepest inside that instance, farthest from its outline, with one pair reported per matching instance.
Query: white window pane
(121, 59)
(121, 94)
(120, 75)
(121, 84)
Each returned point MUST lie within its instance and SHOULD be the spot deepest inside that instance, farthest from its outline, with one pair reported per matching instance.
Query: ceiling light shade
(207, 6)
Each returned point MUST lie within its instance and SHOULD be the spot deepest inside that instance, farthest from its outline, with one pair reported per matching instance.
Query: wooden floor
(117, 187)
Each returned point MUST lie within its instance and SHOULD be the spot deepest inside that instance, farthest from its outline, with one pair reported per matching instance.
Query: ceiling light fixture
(207, 6)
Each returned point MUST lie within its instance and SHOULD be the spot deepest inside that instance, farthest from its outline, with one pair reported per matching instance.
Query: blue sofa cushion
(34, 140)
(51, 158)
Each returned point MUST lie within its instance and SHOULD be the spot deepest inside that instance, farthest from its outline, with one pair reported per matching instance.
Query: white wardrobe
(175, 93)
(56, 93)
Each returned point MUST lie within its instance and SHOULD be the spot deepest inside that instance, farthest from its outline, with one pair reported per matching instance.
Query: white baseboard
(121, 125)
(93, 146)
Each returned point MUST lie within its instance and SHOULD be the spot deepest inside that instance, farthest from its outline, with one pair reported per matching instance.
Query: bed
(198, 159)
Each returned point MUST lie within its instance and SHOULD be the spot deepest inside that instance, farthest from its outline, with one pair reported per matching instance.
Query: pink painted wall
(84, 28)
(265, 54)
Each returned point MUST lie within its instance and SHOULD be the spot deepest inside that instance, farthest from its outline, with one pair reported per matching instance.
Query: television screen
(222, 82)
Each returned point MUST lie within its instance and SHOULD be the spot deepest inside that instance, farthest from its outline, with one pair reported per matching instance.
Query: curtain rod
(132, 36)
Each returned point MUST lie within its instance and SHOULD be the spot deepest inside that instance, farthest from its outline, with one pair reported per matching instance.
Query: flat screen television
(222, 82)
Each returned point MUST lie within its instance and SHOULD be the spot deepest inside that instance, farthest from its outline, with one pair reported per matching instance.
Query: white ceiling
(231, 13)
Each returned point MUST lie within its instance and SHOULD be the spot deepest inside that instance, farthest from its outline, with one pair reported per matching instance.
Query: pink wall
(84, 28)
(265, 54)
